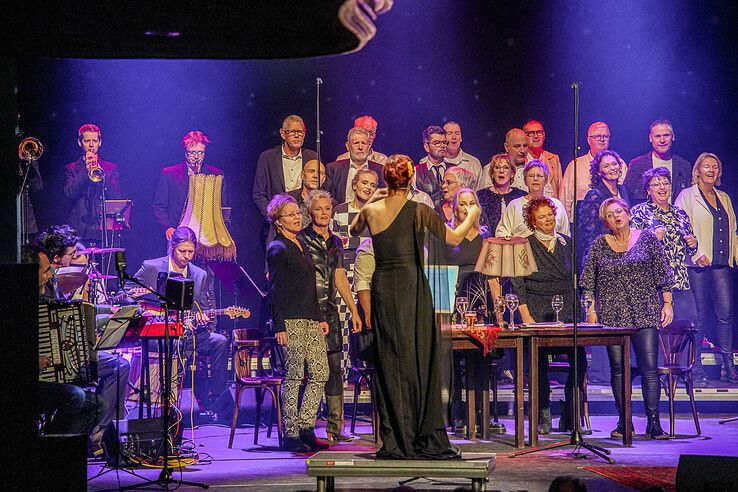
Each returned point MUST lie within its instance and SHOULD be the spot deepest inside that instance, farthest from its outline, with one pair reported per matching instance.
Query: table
(476, 372)
(586, 335)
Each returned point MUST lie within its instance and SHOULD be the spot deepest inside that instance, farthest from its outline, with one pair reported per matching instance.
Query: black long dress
(407, 349)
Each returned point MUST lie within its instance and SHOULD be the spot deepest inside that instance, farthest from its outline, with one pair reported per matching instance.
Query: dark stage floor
(264, 467)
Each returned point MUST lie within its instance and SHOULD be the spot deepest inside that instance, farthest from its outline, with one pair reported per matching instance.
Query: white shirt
(171, 268)
(292, 168)
(353, 169)
(417, 196)
(471, 164)
(512, 222)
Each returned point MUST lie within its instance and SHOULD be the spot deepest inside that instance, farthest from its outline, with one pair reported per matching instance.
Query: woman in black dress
(552, 252)
(494, 200)
(630, 279)
(407, 339)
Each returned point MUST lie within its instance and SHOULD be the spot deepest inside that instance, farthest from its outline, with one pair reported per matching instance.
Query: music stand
(117, 215)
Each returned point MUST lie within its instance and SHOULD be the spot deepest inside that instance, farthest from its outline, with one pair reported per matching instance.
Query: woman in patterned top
(626, 270)
(494, 200)
(711, 267)
(604, 174)
(673, 228)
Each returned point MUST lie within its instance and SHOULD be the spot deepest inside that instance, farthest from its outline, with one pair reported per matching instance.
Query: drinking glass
(557, 303)
(586, 300)
(512, 304)
(500, 310)
(462, 303)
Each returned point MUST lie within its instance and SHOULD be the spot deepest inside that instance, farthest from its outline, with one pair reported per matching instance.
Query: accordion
(66, 334)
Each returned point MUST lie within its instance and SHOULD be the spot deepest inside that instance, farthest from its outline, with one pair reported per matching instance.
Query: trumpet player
(84, 182)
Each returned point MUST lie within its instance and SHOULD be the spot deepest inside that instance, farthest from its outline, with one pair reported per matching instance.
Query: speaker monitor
(707, 473)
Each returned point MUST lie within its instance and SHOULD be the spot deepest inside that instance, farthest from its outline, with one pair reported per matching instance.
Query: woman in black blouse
(552, 252)
(604, 174)
(494, 200)
(299, 325)
(630, 278)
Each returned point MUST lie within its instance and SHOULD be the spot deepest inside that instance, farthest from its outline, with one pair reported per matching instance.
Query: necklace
(623, 244)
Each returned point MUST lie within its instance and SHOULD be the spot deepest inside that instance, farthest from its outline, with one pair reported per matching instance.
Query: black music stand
(120, 332)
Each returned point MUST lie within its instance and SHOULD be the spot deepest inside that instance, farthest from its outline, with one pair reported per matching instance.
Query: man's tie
(439, 172)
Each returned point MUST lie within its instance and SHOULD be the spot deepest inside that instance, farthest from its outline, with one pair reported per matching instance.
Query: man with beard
(370, 125)
(339, 175)
(430, 169)
(325, 249)
(516, 146)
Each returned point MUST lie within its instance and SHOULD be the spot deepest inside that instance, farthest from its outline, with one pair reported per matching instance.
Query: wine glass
(557, 303)
(462, 303)
(586, 300)
(512, 304)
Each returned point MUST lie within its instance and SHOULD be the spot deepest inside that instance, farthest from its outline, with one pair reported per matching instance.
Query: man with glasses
(536, 135)
(598, 138)
(455, 156)
(340, 174)
(173, 185)
(279, 169)
(516, 146)
(370, 125)
(661, 136)
(431, 168)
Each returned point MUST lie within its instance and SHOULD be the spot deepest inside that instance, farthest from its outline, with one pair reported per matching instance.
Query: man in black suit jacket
(430, 170)
(174, 181)
(182, 244)
(662, 138)
(339, 174)
(84, 194)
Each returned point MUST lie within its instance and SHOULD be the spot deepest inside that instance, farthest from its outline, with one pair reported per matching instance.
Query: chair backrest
(677, 343)
(243, 348)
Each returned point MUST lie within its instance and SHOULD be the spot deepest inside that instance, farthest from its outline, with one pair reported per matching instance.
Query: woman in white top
(710, 268)
(512, 223)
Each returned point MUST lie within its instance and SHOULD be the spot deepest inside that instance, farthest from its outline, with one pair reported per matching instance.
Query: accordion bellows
(203, 214)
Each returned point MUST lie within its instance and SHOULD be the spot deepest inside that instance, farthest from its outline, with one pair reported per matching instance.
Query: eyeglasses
(617, 211)
(291, 214)
(660, 184)
(600, 138)
(198, 153)
(295, 133)
(535, 133)
(437, 143)
(501, 168)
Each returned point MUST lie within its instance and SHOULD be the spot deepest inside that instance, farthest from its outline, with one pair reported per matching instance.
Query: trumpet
(94, 172)
(30, 149)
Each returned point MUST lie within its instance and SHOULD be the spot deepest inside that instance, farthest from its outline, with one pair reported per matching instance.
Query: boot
(564, 421)
(699, 377)
(294, 445)
(544, 418)
(334, 429)
(728, 372)
(308, 437)
(619, 430)
(653, 428)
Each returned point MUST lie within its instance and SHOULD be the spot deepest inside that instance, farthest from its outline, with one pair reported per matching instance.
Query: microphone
(120, 267)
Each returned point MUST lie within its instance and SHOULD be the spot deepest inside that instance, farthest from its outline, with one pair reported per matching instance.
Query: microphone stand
(318, 83)
(165, 477)
(22, 216)
(576, 438)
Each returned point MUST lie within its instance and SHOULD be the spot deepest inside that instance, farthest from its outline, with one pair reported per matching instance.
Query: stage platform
(264, 468)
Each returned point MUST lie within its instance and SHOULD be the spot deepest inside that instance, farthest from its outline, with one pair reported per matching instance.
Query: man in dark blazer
(430, 170)
(662, 138)
(182, 244)
(339, 174)
(83, 193)
(174, 181)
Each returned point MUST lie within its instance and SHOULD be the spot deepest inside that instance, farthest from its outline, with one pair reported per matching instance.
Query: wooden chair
(678, 349)
(364, 376)
(244, 351)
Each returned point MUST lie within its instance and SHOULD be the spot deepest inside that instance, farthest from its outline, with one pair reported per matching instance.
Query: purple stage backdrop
(490, 67)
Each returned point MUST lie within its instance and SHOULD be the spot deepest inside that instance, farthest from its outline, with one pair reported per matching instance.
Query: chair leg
(234, 419)
(257, 419)
(672, 391)
(270, 389)
(278, 406)
(690, 393)
(357, 392)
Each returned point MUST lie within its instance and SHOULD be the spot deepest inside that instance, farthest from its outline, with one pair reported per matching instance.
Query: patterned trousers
(305, 351)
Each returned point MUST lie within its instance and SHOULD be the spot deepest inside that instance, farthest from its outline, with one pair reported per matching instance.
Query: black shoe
(653, 428)
(544, 417)
(308, 437)
(728, 372)
(294, 445)
(619, 430)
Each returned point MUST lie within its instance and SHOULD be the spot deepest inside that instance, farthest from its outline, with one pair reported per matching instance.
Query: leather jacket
(327, 255)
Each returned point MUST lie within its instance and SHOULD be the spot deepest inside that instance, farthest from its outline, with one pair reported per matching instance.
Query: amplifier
(135, 440)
